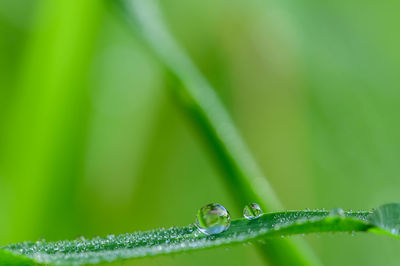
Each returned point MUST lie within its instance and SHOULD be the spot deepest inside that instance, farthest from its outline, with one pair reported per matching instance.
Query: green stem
(241, 171)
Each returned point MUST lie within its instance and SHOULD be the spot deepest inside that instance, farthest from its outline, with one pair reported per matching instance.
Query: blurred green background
(92, 143)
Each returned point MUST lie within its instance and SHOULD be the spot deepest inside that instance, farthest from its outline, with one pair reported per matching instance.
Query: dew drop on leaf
(336, 212)
(252, 211)
(213, 219)
(387, 217)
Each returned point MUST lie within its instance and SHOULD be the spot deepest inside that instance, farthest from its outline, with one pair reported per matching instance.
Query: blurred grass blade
(199, 96)
(242, 173)
(175, 240)
(44, 129)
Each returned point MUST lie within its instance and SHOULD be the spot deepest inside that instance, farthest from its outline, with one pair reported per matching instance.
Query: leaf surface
(385, 220)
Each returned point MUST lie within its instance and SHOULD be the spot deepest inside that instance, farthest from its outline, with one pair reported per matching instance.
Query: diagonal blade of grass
(242, 173)
(175, 240)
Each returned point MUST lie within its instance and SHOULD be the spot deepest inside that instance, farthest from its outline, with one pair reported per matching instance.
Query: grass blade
(44, 129)
(246, 180)
(176, 240)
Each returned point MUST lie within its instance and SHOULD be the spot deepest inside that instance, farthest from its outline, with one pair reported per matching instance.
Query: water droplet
(41, 241)
(336, 212)
(252, 211)
(80, 238)
(387, 217)
(213, 219)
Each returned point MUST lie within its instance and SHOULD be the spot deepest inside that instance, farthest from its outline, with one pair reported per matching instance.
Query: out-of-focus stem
(244, 177)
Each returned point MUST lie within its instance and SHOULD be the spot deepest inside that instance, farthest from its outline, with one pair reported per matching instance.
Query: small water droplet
(80, 238)
(41, 241)
(336, 212)
(213, 219)
(252, 211)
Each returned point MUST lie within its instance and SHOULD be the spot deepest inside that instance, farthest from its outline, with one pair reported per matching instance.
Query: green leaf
(175, 240)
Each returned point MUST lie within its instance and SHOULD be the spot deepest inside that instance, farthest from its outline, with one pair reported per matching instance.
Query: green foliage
(312, 87)
(175, 240)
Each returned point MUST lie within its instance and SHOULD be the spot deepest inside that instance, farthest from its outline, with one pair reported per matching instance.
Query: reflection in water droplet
(252, 211)
(213, 219)
(336, 212)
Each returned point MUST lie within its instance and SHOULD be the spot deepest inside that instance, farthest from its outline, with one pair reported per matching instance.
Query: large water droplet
(213, 219)
(252, 211)
(387, 217)
(336, 212)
